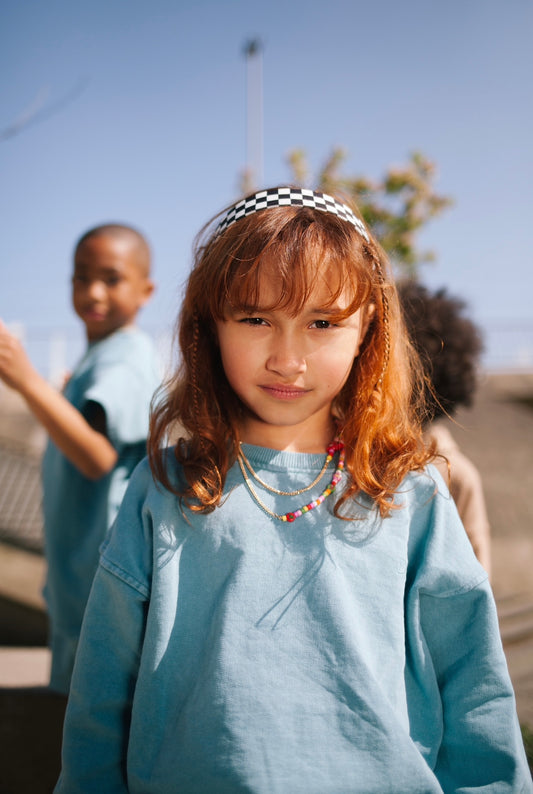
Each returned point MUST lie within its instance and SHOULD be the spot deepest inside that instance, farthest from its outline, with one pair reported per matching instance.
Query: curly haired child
(449, 345)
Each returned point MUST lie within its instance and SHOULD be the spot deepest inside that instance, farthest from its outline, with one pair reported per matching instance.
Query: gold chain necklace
(335, 446)
(268, 487)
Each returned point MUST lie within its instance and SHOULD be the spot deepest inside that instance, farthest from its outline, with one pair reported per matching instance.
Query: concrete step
(22, 576)
(515, 614)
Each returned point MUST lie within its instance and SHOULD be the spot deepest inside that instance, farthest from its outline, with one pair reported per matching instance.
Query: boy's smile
(108, 285)
(287, 369)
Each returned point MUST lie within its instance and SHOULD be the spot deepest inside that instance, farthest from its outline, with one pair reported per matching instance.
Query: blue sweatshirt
(231, 652)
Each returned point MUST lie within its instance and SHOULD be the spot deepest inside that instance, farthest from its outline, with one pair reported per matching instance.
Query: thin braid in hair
(386, 325)
(194, 373)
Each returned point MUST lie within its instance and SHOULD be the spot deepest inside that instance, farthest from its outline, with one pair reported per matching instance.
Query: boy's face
(108, 285)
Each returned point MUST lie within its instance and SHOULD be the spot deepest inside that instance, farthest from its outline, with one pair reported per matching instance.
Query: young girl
(288, 602)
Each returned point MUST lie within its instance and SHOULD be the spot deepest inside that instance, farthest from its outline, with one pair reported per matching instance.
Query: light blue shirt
(231, 652)
(120, 374)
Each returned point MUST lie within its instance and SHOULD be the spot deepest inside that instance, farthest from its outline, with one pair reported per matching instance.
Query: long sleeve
(481, 747)
(455, 658)
(98, 714)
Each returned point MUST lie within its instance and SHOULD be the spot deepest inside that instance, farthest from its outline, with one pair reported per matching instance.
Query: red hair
(375, 410)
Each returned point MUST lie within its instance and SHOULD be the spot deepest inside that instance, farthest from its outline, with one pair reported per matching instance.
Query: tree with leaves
(396, 207)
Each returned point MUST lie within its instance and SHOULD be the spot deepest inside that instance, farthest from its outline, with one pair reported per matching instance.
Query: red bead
(335, 446)
(290, 517)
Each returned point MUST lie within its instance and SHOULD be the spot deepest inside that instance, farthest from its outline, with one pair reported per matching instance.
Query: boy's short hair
(121, 230)
(448, 343)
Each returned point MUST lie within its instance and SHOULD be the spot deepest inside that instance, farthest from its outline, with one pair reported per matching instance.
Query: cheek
(337, 371)
(234, 356)
(76, 298)
(337, 361)
(124, 299)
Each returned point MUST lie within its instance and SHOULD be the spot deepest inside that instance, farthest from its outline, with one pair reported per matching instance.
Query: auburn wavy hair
(299, 247)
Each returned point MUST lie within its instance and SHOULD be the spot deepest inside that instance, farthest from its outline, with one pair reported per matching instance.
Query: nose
(96, 290)
(287, 357)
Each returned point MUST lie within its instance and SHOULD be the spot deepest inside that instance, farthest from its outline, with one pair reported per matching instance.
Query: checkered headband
(293, 197)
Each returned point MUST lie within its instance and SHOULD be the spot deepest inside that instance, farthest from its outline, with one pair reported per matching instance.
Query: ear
(366, 319)
(147, 291)
(369, 315)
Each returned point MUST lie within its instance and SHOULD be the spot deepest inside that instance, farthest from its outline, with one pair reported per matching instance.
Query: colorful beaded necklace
(335, 446)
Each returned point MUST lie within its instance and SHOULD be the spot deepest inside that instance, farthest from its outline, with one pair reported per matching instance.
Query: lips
(284, 392)
(94, 314)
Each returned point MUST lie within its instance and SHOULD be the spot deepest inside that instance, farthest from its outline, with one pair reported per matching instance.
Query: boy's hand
(15, 367)
(86, 447)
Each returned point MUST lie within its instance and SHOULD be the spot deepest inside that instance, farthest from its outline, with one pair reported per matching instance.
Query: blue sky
(154, 132)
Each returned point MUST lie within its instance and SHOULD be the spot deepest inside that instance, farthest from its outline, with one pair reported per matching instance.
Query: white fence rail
(55, 350)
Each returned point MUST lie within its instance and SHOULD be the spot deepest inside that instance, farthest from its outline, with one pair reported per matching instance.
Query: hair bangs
(298, 255)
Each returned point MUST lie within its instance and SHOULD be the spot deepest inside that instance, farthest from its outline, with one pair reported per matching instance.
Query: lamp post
(253, 174)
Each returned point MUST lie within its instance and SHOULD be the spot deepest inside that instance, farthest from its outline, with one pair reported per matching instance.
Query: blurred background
(154, 114)
(159, 114)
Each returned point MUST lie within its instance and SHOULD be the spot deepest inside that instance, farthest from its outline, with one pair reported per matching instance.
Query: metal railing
(55, 350)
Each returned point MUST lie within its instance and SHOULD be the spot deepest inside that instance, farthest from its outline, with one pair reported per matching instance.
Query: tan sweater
(464, 482)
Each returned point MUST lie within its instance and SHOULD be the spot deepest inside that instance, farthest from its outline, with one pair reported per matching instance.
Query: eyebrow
(328, 311)
(325, 310)
(105, 269)
(247, 308)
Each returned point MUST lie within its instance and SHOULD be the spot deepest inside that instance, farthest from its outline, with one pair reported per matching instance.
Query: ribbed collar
(277, 460)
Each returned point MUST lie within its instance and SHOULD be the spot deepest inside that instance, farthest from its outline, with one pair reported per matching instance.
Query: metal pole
(253, 52)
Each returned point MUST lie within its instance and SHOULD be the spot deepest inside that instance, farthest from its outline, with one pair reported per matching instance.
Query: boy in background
(449, 345)
(97, 427)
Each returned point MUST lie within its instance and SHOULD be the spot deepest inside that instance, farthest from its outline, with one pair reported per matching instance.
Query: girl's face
(287, 369)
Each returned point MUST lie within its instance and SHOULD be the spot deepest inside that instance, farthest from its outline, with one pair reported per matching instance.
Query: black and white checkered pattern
(294, 197)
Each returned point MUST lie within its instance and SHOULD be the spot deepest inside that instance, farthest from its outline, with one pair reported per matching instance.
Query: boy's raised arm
(86, 448)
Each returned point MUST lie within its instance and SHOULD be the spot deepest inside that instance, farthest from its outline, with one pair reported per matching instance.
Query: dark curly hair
(448, 343)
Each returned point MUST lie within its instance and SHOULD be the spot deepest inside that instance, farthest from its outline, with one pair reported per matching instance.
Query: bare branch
(38, 110)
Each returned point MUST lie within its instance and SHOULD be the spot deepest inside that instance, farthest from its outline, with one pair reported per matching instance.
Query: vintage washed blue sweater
(231, 652)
